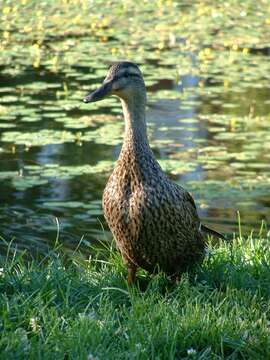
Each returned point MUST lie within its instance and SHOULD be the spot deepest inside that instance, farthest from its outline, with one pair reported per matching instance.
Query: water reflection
(176, 132)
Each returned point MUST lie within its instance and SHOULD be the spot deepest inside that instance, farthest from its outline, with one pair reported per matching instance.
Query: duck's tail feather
(205, 230)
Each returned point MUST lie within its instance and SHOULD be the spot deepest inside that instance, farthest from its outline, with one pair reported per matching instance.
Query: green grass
(76, 309)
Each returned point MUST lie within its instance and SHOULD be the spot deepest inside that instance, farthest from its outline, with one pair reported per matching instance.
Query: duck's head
(124, 79)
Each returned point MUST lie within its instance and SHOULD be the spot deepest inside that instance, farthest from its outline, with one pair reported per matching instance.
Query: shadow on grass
(239, 263)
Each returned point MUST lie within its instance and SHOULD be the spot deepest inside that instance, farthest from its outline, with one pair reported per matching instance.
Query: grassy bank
(77, 309)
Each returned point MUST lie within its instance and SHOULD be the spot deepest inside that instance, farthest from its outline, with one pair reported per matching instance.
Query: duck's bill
(98, 94)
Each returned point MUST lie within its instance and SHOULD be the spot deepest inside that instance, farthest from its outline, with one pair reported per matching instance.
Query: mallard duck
(153, 220)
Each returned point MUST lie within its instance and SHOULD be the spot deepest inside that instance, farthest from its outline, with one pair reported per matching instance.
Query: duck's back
(154, 221)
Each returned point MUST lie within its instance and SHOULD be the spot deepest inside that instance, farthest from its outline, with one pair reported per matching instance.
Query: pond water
(208, 116)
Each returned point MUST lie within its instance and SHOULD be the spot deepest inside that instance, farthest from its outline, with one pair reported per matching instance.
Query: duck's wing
(204, 229)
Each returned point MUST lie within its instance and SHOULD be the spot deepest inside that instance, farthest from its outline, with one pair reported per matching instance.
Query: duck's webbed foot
(175, 278)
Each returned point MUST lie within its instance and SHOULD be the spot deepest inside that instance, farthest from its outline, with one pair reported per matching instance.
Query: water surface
(208, 118)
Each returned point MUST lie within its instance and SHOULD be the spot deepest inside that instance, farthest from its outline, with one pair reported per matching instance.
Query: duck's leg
(131, 274)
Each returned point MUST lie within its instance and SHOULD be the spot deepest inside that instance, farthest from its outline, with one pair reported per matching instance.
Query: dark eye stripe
(125, 75)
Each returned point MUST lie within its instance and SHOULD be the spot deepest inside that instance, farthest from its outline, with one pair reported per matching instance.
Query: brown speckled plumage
(153, 220)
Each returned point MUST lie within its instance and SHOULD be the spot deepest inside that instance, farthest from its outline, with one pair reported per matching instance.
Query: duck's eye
(125, 75)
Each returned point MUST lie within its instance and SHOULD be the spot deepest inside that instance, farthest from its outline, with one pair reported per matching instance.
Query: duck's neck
(135, 125)
(136, 154)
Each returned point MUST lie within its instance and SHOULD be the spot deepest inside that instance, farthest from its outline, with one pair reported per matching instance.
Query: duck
(153, 220)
